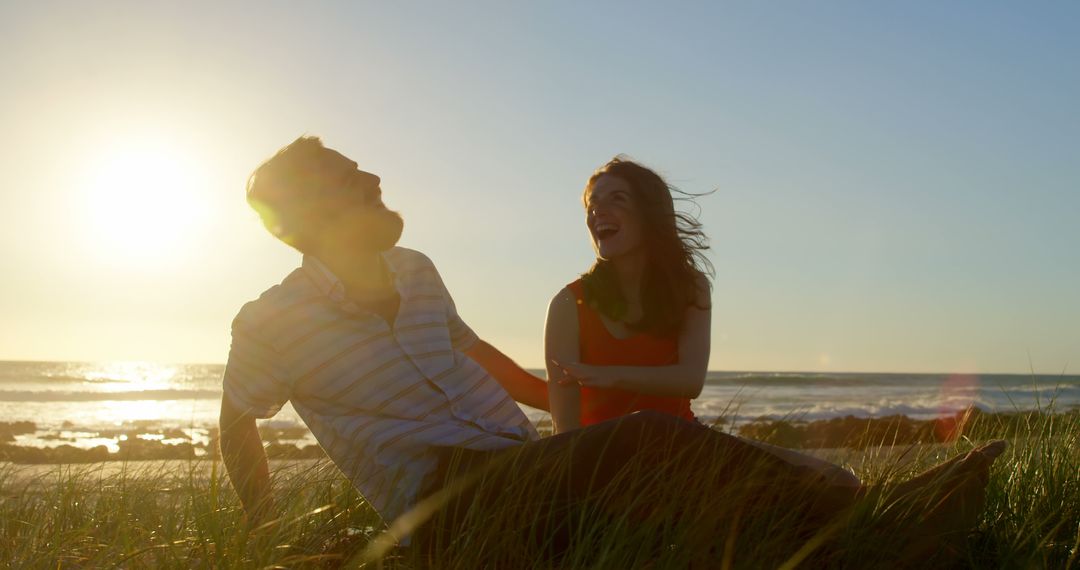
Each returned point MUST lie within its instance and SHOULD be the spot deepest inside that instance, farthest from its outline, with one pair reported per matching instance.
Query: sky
(896, 187)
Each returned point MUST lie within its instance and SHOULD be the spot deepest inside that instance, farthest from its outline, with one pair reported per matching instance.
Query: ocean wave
(57, 396)
(64, 379)
(862, 407)
(892, 380)
(815, 413)
(1061, 392)
(803, 380)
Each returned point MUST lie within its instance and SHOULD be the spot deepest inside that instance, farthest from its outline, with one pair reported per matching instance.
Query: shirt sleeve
(255, 382)
(462, 336)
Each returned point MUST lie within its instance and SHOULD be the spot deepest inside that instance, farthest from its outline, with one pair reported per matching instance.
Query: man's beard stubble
(384, 231)
(373, 231)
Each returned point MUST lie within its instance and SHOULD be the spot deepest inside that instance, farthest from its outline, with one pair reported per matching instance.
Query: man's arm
(522, 386)
(245, 460)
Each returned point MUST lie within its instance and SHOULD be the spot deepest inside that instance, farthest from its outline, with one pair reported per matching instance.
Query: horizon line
(529, 368)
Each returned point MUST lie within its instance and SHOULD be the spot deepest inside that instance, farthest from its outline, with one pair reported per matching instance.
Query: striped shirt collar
(329, 284)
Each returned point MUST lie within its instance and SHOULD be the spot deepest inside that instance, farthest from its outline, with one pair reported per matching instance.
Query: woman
(633, 333)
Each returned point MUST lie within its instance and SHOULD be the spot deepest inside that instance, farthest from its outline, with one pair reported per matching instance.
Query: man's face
(351, 213)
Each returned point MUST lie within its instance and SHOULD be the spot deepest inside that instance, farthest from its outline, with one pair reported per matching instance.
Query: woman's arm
(682, 380)
(561, 345)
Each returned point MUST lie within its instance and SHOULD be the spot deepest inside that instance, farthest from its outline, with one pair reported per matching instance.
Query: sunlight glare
(130, 376)
(143, 202)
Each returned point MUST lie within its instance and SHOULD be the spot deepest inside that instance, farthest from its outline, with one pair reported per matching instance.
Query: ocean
(90, 404)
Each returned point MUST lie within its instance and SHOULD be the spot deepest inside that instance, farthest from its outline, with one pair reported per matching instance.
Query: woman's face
(613, 218)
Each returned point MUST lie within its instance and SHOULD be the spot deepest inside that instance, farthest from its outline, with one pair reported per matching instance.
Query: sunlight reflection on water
(87, 404)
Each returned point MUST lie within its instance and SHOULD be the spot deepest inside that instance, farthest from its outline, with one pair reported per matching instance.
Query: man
(366, 343)
(364, 340)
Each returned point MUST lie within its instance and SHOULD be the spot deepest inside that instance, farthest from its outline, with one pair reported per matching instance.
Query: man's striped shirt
(380, 399)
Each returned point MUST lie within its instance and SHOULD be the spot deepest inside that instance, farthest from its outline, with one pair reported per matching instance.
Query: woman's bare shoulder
(563, 299)
(703, 290)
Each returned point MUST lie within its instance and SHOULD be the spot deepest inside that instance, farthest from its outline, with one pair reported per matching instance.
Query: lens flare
(958, 395)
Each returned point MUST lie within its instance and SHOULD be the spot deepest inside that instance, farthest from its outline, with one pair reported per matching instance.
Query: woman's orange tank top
(598, 347)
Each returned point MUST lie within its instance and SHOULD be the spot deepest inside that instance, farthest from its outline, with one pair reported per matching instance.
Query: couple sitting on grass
(420, 414)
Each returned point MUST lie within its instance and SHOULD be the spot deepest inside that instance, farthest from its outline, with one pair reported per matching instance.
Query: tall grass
(184, 515)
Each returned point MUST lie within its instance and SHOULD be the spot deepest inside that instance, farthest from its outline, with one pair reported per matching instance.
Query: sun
(142, 202)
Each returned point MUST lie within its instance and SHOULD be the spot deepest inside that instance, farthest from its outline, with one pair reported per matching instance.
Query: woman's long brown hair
(675, 260)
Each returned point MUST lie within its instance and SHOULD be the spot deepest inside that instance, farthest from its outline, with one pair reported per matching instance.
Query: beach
(183, 513)
(150, 441)
(117, 464)
(63, 412)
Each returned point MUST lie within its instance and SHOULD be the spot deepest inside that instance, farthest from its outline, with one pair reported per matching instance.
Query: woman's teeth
(604, 231)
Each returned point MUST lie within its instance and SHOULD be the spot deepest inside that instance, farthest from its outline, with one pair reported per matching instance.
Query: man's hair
(278, 189)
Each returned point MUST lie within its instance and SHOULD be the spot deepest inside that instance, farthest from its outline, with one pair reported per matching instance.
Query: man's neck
(364, 274)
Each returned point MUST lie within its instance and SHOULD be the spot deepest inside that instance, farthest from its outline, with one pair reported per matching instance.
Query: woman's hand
(584, 375)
